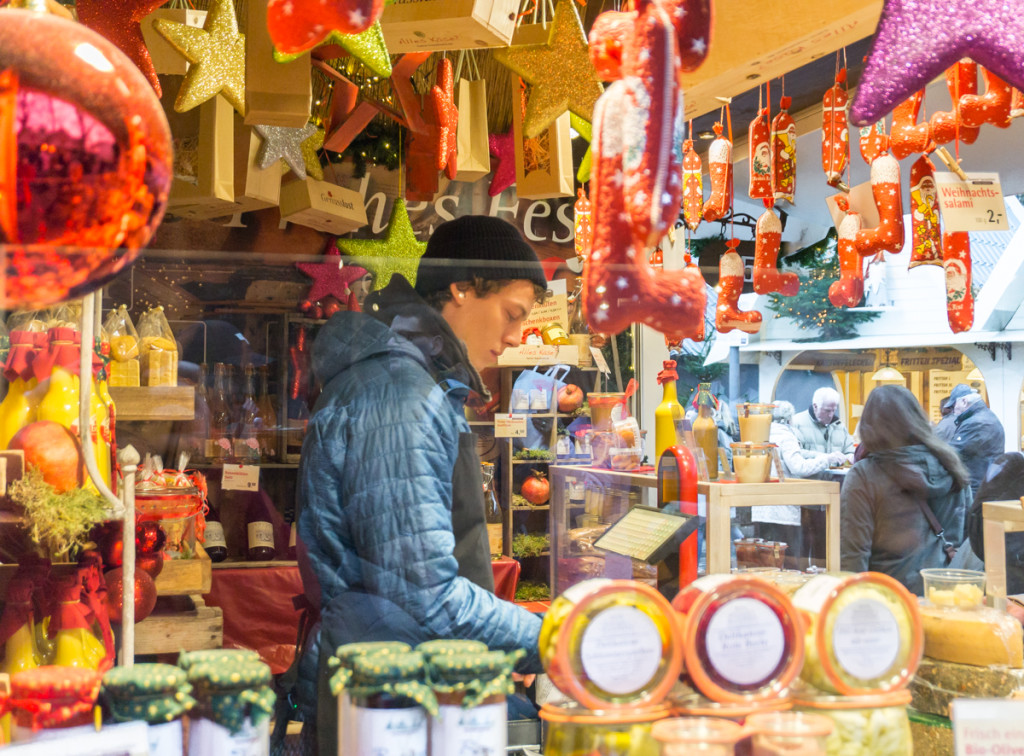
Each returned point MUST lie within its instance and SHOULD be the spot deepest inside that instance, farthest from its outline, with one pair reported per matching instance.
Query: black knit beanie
(476, 245)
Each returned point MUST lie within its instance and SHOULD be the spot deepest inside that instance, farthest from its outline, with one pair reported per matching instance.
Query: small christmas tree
(818, 267)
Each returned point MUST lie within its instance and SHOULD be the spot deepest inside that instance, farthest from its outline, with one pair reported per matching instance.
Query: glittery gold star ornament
(560, 71)
(368, 48)
(216, 54)
(283, 143)
(311, 147)
(398, 252)
(586, 132)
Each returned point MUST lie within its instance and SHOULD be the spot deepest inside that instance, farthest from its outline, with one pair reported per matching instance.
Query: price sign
(510, 426)
(600, 361)
(240, 478)
(987, 727)
(975, 205)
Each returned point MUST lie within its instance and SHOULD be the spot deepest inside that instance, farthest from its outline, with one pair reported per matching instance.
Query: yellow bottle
(20, 651)
(99, 431)
(74, 643)
(16, 410)
(705, 429)
(107, 429)
(664, 415)
(60, 404)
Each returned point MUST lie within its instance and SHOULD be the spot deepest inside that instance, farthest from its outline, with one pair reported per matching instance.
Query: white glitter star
(356, 17)
(699, 46)
(621, 282)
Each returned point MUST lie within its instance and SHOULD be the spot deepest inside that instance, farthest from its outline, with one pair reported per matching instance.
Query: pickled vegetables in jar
(875, 725)
(574, 731)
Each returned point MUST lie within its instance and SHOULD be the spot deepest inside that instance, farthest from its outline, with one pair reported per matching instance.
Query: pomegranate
(536, 489)
(570, 398)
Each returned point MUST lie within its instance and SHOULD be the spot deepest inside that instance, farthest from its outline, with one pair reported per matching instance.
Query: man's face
(825, 411)
(490, 324)
(960, 405)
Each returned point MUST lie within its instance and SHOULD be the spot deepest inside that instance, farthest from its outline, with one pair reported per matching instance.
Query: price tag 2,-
(974, 205)
(240, 478)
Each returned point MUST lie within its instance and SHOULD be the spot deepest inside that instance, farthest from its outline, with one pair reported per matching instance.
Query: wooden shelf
(530, 509)
(534, 461)
(180, 623)
(216, 464)
(183, 577)
(154, 402)
(532, 556)
(244, 564)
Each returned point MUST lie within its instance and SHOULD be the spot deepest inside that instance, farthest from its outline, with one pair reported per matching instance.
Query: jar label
(261, 534)
(745, 641)
(866, 638)
(165, 739)
(621, 650)
(812, 594)
(291, 535)
(214, 535)
(709, 583)
(207, 738)
(390, 732)
(480, 730)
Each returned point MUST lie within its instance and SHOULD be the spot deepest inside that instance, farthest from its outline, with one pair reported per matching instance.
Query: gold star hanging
(311, 147)
(560, 71)
(216, 54)
(398, 252)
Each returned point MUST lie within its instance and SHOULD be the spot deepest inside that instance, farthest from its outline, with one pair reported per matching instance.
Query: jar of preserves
(554, 333)
(341, 662)
(49, 697)
(154, 693)
(788, 733)
(683, 736)
(875, 725)
(234, 704)
(695, 705)
(742, 637)
(573, 730)
(471, 690)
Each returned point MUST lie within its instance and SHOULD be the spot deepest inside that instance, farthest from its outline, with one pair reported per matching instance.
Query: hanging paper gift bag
(543, 165)
(167, 60)
(276, 94)
(322, 205)
(474, 156)
(255, 188)
(415, 25)
(204, 157)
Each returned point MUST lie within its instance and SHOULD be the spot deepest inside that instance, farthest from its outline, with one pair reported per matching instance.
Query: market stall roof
(887, 341)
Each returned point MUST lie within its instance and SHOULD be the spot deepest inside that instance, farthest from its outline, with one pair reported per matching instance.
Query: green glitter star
(398, 252)
(368, 47)
(585, 130)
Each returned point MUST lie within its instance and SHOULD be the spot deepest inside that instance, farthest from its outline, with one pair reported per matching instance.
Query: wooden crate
(183, 577)
(1001, 517)
(180, 623)
(154, 402)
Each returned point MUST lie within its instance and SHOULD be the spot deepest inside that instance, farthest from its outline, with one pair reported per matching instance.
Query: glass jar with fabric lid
(49, 697)
(471, 690)
(391, 701)
(187, 659)
(341, 664)
(234, 703)
(446, 647)
(158, 694)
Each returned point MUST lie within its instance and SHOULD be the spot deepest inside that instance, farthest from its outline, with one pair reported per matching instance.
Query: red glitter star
(503, 147)
(299, 25)
(442, 100)
(118, 21)
(331, 276)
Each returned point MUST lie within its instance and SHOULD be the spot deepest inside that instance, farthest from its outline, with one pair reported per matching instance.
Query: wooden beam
(753, 43)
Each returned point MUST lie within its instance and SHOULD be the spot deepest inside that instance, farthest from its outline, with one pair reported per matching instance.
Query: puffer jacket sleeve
(857, 528)
(392, 496)
(799, 462)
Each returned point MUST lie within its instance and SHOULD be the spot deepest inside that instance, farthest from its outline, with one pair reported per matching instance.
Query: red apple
(570, 398)
(54, 451)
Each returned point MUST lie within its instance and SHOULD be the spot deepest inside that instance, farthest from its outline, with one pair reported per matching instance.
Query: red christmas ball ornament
(331, 306)
(109, 543)
(153, 564)
(149, 537)
(145, 594)
(85, 159)
(305, 306)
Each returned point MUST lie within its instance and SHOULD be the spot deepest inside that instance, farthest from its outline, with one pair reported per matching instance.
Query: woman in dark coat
(884, 528)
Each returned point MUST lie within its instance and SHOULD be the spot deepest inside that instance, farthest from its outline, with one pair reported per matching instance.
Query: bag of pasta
(158, 350)
(124, 367)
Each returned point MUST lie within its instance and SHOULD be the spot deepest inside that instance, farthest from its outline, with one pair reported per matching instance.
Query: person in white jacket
(783, 523)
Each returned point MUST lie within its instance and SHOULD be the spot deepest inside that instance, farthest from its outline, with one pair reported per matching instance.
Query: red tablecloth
(258, 610)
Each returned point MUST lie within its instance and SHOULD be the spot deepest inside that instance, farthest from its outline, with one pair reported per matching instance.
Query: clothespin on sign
(952, 164)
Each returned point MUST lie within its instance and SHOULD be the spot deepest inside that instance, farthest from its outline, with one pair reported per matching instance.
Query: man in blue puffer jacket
(392, 535)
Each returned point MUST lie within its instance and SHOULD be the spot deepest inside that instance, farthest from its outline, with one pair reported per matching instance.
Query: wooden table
(793, 492)
(1001, 517)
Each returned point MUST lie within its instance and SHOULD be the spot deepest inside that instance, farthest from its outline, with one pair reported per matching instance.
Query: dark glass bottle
(220, 415)
(260, 529)
(214, 542)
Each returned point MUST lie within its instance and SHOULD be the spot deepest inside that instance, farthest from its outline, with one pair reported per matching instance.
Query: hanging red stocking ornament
(835, 130)
(784, 153)
(961, 79)
(885, 188)
(636, 188)
(907, 135)
(926, 234)
(873, 141)
(992, 107)
(956, 262)
(728, 315)
(720, 174)
(693, 186)
(1017, 104)
(848, 291)
(768, 278)
(759, 140)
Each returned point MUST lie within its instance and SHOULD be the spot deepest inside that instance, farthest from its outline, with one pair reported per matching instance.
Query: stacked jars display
(158, 694)
(51, 697)
(233, 707)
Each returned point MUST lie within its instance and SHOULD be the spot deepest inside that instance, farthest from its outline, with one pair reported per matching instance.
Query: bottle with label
(197, 431)
(250, 422)
(492, 512)
(259, 525)
(268, 433)
(18, 408)
(219, 443)
(213, 540)
(665, 413)
(705, 429)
